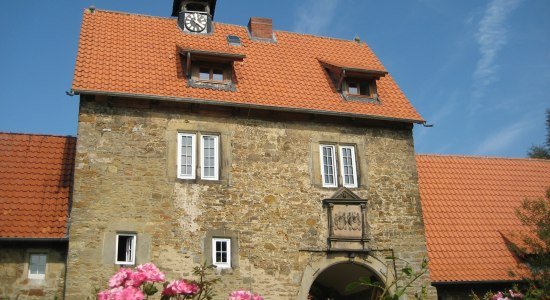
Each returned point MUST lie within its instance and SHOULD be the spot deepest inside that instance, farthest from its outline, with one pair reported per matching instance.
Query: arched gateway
(332, 282)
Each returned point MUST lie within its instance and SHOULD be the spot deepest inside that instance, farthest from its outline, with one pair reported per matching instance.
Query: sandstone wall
(14, 264)
(268, 199)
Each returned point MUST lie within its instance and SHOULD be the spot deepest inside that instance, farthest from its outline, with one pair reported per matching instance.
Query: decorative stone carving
(347, 221)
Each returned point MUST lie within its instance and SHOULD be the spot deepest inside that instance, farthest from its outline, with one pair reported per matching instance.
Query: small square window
(125, 249)
(221, 252)
(359, 88)
(37, 266)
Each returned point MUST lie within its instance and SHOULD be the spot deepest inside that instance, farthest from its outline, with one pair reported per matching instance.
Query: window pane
(353, 89)
(125, 248)
(204, 74)
(328, 166)
(37, 264)
(217, 75)
(348, 161)
(186, 155)
(364, 88)
(209, 164)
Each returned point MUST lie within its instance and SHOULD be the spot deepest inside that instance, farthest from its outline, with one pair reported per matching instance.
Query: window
(348, 166)
(215, 73)
(328, 166)
(125, 249)
(221, 252)
(360, 88)
(37, 266)
(186, 155)
(209, 156)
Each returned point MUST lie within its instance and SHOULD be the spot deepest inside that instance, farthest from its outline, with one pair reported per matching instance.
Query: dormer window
(355, 83)
(210, 69)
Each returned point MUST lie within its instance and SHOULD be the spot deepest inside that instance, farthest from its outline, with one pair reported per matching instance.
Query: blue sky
(478, 70)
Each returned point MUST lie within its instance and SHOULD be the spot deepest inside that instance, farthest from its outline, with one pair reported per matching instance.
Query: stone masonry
(269, 196)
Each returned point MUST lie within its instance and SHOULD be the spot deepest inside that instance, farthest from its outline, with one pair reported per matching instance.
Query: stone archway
(331, 283)
(328, 277)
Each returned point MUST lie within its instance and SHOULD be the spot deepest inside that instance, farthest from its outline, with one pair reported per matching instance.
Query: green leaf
(365, 280)
(407, 270)
(352, 286)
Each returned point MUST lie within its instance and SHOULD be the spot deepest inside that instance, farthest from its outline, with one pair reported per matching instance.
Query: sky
(479, 71)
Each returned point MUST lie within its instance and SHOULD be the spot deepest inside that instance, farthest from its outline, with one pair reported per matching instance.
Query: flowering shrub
(510, 295)
(139, 284)
(244, 295)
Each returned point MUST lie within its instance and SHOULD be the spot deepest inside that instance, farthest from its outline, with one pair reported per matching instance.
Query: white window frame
(222, 265)
(132, 249)
(39, 275)
(334, 165)
(353, 164)
(216, 157)
(193, 157)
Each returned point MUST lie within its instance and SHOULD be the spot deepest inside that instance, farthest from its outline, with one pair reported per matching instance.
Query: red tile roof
(36, 174)
(127, 54)
(468, 204)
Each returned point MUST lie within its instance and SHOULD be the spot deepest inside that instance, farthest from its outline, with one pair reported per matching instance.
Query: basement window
(125, 249)
(37, 266)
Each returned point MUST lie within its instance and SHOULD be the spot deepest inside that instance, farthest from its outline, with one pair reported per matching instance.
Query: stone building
(36, 174)
(284, 159)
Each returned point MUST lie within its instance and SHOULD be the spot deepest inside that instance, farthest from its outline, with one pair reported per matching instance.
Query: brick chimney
(261, 28)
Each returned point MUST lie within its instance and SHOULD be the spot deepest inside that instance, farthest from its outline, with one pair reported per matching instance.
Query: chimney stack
(261, 28)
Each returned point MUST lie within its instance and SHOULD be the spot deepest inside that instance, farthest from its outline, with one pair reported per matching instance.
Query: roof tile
(35, 181)
(138, 55)
(467, 203)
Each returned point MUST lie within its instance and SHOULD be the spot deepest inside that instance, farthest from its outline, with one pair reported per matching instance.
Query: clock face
(195, 22)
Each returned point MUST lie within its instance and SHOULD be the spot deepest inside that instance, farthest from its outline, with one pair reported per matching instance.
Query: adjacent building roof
(138, 55)
(468, 205)
(36, 173)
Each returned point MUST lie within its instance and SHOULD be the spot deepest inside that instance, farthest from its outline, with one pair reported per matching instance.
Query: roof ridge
(127, 13)
(37, 134)
(229, 24)
(481, 157)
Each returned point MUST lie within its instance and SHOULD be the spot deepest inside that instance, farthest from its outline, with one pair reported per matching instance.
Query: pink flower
(516, 295)
(244, 295)
(119, 277)
(151, 272)
(120, 293)
(135, 279)
(130, 293)
(180, 287)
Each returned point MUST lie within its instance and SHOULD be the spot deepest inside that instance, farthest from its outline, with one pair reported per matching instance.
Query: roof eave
(31, 239)
(247, 105)
(476, 282)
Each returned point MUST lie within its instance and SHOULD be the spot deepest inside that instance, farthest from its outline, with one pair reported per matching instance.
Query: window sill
(213, 85)
(362, 98)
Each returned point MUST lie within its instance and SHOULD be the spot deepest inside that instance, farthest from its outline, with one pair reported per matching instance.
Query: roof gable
(138, 55)
(36, 175)
(468, 206)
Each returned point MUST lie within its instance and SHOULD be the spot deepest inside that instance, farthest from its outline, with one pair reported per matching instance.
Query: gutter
(256, 106)
(63, 239)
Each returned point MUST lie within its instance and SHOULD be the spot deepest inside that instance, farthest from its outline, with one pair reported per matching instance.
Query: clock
(195, 22)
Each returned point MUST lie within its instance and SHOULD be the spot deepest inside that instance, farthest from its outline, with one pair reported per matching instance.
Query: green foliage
(535, 251)
(401, 281)
(206, 285)
(542, 151)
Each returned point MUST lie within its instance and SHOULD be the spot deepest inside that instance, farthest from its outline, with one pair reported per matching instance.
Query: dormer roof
(139, 56)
